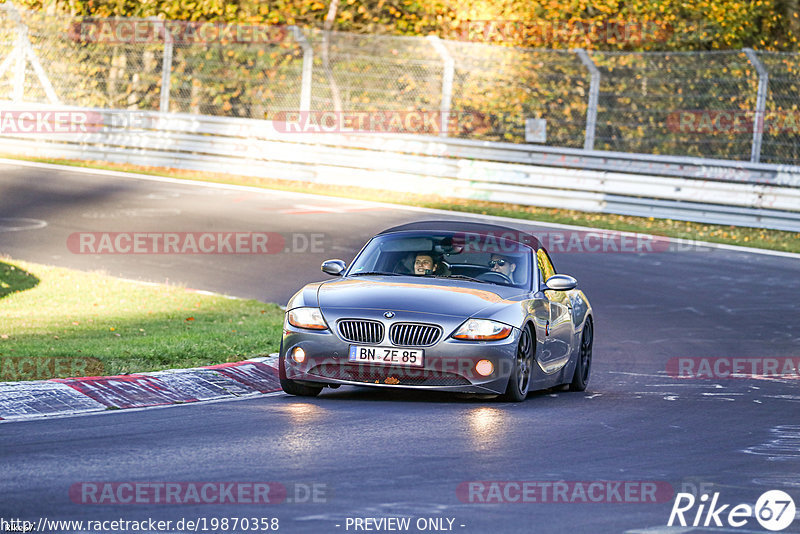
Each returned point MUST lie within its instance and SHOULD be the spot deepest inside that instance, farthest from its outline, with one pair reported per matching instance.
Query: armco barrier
(712, 191)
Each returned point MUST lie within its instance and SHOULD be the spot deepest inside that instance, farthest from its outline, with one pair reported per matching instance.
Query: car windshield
(483, 258)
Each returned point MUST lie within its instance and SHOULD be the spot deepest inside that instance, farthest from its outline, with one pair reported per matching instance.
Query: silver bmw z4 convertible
(440, 305)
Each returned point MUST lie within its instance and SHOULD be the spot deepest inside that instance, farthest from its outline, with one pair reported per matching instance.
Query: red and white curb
(73, 396)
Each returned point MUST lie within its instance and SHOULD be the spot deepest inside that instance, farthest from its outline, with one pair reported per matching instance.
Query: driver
(424, 263)
(503, 265)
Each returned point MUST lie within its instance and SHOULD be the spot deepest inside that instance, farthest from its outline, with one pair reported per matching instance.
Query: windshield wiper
(374, 273)
(462, 277)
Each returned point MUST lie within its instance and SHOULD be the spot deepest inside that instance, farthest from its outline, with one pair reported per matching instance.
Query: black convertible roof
(505, 232)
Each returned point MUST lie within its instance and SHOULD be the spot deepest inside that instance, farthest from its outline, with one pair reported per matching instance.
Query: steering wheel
(495, 277)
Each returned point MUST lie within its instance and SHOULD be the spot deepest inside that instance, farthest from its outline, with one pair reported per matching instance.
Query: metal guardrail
(721, 192)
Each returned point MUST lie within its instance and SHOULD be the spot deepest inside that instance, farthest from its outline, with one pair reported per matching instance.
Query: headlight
(307, 318)
(482, 330)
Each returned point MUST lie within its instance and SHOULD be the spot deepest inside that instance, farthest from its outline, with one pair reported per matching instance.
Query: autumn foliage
(596, 24)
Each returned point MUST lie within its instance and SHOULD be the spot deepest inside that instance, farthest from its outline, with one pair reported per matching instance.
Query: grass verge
(57, 322)
(731, 235)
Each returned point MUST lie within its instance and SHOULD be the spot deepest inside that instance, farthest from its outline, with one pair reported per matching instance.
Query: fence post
(308, 64)
(22, 52)
(166, 71)
(594, 93)
(761, 104)
(19, 65)
(448, 70)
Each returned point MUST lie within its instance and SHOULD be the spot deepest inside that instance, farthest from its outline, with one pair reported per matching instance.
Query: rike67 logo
(774, 510)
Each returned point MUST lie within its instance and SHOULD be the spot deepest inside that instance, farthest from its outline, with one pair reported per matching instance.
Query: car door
(560, 329)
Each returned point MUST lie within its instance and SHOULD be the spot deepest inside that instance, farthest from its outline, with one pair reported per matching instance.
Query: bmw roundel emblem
(388, 314)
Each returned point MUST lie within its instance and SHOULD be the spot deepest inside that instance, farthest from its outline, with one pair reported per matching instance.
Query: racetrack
(397, 454)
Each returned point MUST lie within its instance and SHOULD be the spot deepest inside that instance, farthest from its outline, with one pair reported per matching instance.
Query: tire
(584, 365)
(301, 390)
(520, 379)
(290, 386)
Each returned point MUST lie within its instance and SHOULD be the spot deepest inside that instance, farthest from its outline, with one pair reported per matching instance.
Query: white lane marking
(660, 374)
(127, 213)
(303, 209)
(16, 224)
(684, 383)
(162, 196)
(785, 481)
(398, 207)
(785, 444)
(783, 397)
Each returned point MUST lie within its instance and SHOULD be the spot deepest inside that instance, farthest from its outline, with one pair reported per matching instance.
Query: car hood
(436, 296)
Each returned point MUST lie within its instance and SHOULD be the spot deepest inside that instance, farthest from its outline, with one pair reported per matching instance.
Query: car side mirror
(334, 267)
(561, 282)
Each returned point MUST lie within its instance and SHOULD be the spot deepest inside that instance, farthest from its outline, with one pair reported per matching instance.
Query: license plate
(386, 355)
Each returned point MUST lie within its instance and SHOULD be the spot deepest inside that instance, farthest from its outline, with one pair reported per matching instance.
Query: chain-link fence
(739, 105)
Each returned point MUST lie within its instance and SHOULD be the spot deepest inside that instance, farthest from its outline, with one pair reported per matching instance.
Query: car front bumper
(449, 364)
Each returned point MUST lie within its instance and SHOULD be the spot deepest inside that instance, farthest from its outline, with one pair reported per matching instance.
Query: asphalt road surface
(358, 453)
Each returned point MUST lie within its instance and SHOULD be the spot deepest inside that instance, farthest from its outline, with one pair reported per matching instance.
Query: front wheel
(520, 378)
(290, 386)
(301, 390)
(584, 365)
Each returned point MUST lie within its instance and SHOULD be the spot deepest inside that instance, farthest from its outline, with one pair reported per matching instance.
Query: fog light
(299, 355)
(484, 367)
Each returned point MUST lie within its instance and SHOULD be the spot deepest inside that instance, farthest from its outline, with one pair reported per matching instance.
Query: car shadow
(13, 280)
(374, 394)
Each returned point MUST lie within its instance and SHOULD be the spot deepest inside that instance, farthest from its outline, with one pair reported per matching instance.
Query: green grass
(731, 235)
(57, 322)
